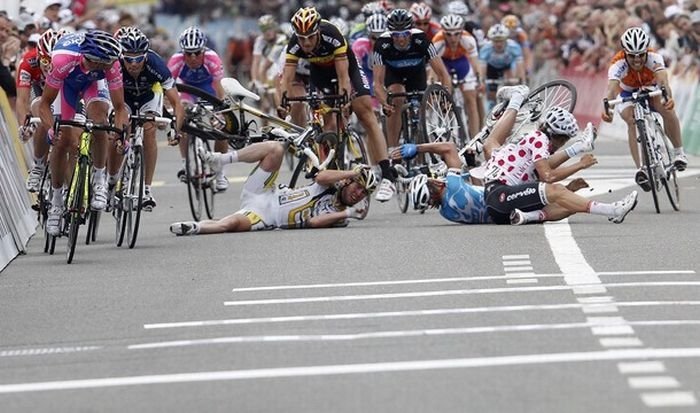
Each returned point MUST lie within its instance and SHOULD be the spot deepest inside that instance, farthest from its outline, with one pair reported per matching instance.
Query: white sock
(601, 208)
(534, 216)
(147, 189)
(229, 157)
(678, 151)
(39, 162)
(516, 101)
(99, 177)
(57, 198)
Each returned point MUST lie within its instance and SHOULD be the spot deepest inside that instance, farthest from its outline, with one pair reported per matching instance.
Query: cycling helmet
(376, 24)
(452, 22)
(420, 193)
(267, 22)
(457, 7)
(634, 40)
(100, 47)
(193, 39)
(306, 21)
(341, 25)
(367, 179)
(134, 41)
(560, 121)
(399, 19)
(421, 11)
(498, 32)
(47, 41)
(511, 22)
(120, 32)
(372, 8)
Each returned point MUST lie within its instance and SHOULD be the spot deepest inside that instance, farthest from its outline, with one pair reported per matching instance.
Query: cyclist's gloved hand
(606, 116)
(409, 150)
(669, 104)
(27, 131)
(282, 111)
(358, 211)
(174, 138)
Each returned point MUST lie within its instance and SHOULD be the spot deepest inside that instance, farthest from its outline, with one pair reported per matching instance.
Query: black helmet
(399, 19)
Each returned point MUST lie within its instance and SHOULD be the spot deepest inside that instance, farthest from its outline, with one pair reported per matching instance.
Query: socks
(387, 172)
(229, 157)
(600, 208)
(99, 177)
(677, 151)
(534, 216)
(57, 198)
(40, 162)
(112, 179)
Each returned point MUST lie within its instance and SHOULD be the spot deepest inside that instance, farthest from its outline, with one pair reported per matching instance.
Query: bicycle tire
(195, 179)
(670, 180)
(93, 222)
(560, 92)
(208, 185)
(439, 120)
(120, 208)
(135, 194)
(354, 151)
(230, 123)
(402, 195)
(651, 175)
(323, 143)
(74, 212)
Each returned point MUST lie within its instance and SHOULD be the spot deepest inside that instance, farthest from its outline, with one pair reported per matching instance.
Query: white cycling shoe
(624, 207)
(385, 191)
(184, 228)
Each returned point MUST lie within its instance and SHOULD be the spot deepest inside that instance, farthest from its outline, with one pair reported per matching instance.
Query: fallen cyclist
(334, 196)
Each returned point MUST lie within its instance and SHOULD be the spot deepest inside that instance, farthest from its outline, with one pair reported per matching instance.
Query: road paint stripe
(606, 320)
(653, 382)
(612, 330)
(520, 274)
(669, 399)
(517, 257)
(434, 280)
(442, 293)
(522, 281)
(517, 269)
(589, 289)
(620, 342)
(398, 333)
(516, 263)
(44, 351)
(597, 308)
(640, 367)
(591, 300)
(157, 184)
(408, 313)
(367, 368)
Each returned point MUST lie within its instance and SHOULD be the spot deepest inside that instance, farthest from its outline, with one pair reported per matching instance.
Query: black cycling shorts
(322, 78)
(494, 73)
(502, 199)
(413, 80)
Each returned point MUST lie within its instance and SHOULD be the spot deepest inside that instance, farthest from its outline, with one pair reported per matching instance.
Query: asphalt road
(405, 313)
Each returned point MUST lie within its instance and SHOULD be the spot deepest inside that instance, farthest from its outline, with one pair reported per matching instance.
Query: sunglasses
(404, 33)
(307, 37)
(636, 55)
(134, 59)
(93, 59)
(459, 33)
(193, 53)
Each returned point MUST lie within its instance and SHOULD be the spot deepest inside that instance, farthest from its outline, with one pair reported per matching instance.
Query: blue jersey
(154, 72)
(511, 55)
(462, 202)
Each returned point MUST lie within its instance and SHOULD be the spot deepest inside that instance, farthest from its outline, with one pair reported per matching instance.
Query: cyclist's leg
(153, 107)
(269, 154)
(393, 121)
(105, 157)
(627, 114)
(672, 128)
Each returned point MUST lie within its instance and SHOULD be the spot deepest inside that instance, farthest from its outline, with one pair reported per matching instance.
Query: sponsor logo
(502, 197)
(525, 192)
(293, 196)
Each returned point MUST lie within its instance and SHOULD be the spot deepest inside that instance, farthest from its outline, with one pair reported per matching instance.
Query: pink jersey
(67, 67)
(211, 70)
(514, 164)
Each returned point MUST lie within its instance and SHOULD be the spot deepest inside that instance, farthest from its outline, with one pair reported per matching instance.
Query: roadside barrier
(17, 220)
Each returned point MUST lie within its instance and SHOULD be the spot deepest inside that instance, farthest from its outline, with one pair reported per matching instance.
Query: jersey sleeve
(293, 51)
(24, 74)
(175, 64)
(61, 66)
(113, 76)
(538, 144)
(616, 70)
(258, 46)
(468, 43)
(160, 70)
(212, 61)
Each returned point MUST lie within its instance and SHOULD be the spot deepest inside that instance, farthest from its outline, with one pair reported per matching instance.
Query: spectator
(7, 51)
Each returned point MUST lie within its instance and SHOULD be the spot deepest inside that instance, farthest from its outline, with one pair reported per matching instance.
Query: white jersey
(261, 47)
(303, 68)
(514, 163)
(296, 206)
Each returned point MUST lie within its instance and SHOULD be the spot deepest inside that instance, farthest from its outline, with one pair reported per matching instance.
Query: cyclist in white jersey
(334, 196)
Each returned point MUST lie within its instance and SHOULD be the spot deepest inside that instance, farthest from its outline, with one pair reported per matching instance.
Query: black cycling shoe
(182, 175)
(642, 180)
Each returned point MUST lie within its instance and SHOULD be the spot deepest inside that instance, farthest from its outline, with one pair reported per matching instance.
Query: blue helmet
(133, 40)
(100, 47)
(192, 39)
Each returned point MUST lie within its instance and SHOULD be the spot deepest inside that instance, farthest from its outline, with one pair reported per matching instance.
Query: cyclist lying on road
(334, 197)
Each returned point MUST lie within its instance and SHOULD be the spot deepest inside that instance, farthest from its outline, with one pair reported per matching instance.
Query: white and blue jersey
(141, 90)
(462, 202)
(508, 59)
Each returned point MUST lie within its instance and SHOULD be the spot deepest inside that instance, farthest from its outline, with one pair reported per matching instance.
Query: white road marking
(653, 382)
(519, 274)
(612, 330)
(442, 293)
(591, 300)
(620, 342)
(589, 289)
(366, 368)
(516, 263)
(401, 333)
(596, 308)
(516, 257)
(606, 321)
(43, 351)
(638, 367)
(522, 281)
(669, 399)
(516, 269)
(437, 280)
(408, 313)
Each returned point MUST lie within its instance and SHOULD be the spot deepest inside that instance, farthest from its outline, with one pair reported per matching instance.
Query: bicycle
(560, 93)
(79, 192)
(656, 146)
(458, 99)
(43, 196)
(439, 118)
(127, 201)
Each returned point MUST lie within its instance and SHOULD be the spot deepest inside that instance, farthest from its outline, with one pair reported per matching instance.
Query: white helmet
(192, 39)
(376, 24)
(420, 194)
(421, 11)
(634, 40)
(452, 22)
(498, 32)
(457, 7)
(560, 121)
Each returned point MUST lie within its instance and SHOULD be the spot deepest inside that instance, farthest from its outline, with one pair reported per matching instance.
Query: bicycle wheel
(93, 223)
(559, 93)
(669, 179)
(134, 196)
(439, 119)
(120, 210)
(195, 178)
(354, 151)
(75, 210)
(208, 114)
(646, 155)
(209, 183)
(324, 142)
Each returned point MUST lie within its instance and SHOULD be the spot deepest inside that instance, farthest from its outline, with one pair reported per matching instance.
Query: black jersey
(420, 50)
(332, 45)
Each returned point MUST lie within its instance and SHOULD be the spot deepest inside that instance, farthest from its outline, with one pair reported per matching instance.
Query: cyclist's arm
(22, 103)
(288, 74)
(254, 68)
(661, 77)
(330, 176)
(441, 71)
(121, 114)
(613, 89)
(176, 103)
(326, 220)
(45, 113)
(342, 68)
(379, 73)
(219, 89)
(447, 150)
(550, 175)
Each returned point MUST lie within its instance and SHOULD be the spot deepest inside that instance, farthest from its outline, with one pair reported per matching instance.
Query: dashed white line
(620, 342)
(522, 281)
(669, 399)
(597, 308)
(641, 367)
(516, 257)
(516, 263)
(44, 351)
(653, 382)
(612, 330)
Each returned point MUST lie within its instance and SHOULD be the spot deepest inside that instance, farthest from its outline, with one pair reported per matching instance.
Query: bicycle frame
(83, 156)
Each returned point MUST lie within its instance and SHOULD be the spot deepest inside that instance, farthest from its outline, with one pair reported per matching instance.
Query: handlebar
(315, 98)
(141, 119)
(635, 97)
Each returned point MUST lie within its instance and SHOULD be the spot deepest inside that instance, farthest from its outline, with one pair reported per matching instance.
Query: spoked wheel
(354, 152)
(43, 204)
(439, 119)
(557, 93)
(132, 195)
(324, 143)
(77, 197)
(208, 114)
(646, 156)
(195, 178)
(93, 224)
(209, 183)
(120, 210)
(670, 179)
(402, 195)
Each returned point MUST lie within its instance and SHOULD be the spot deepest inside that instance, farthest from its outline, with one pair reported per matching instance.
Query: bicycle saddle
(233, 88)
